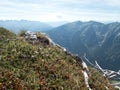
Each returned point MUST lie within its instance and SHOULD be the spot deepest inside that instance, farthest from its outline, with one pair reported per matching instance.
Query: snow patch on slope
(86, 77)
(85, 66)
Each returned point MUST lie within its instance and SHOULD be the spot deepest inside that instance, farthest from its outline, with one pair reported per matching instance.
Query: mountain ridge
(96, 39)
(17, 25)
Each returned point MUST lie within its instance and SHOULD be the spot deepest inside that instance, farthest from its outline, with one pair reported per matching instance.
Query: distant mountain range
(16, 26)
(57, 23)
(101, 42)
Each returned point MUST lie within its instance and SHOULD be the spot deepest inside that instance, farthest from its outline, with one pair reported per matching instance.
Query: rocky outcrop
(37, 38)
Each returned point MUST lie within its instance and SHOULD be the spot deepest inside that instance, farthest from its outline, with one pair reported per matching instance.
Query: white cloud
(58, 10)
(115, 3)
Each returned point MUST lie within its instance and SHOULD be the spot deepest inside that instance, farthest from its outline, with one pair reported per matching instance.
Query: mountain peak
(102, 40)
(94, 22)
(77, 22)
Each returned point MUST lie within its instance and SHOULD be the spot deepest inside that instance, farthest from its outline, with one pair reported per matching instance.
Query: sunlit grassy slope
(24, 66)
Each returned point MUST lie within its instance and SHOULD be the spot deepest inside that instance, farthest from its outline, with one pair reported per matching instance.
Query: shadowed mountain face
(100, 41)
(16, 26)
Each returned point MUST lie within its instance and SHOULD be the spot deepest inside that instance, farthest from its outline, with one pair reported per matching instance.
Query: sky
(60, 10)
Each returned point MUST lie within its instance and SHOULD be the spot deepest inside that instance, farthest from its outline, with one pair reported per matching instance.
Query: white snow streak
(84, 65)
(86, 77)
(106, 87)
(88, 60)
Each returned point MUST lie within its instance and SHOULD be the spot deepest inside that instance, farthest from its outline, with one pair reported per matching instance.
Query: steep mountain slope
(63, 35)
(43, 66)
(17, 26)
(99, 41)
(109, 49)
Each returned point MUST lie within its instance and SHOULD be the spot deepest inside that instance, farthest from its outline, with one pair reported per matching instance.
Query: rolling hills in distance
(18, 25)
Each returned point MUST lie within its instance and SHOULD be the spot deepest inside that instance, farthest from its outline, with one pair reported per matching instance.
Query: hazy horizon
(60, 10)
